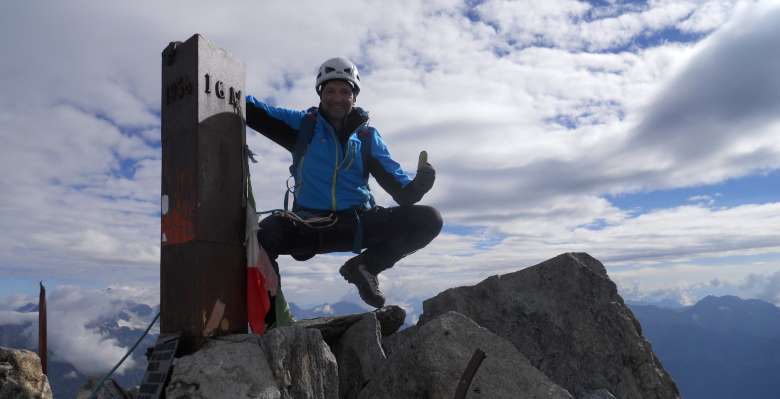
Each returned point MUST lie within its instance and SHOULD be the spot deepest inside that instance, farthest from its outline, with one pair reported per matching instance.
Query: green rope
(107, 376)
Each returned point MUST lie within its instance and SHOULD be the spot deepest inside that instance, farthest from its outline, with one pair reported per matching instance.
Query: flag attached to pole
(261, 279)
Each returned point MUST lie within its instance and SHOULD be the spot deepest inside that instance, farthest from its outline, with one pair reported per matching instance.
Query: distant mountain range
(325, 310)
(125, 326)
(721, 347)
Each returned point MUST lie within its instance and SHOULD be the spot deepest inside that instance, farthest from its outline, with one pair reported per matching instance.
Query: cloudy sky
(645, 133)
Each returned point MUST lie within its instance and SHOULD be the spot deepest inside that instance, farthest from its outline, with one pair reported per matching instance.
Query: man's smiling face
(337, 99)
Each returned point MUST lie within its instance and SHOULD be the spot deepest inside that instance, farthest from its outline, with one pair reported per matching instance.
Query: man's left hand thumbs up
(425, 173)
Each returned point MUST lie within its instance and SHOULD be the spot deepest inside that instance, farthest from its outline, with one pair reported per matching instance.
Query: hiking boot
(367, 283)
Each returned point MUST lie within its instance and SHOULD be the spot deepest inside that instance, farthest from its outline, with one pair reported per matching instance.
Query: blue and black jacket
(330, 176)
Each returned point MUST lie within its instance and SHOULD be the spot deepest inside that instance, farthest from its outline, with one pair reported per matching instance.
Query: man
(333, 208)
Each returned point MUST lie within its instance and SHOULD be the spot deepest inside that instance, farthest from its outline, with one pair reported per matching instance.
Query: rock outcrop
(286, 363)
(566, 317)
(557, 330)
(21, 376)
(230, 367)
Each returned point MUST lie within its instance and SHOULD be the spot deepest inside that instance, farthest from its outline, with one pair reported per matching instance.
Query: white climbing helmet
(338, 68)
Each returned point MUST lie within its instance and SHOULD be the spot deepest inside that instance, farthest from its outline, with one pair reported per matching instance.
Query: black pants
(389, 234)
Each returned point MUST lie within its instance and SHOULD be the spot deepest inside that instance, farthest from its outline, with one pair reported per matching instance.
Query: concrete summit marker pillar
(202, 265)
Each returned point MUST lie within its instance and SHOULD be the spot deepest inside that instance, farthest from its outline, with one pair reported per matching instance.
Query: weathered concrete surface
(566, 317)
(359, 354)
(430, 362)
(21, 375)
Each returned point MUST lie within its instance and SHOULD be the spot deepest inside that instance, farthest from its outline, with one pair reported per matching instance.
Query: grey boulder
(566, 317)
(230, 367)
(286, 363)
(359, 354)
(429, 362)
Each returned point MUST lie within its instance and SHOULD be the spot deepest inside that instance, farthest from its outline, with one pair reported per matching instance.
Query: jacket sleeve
(389, 174)
(278, 124)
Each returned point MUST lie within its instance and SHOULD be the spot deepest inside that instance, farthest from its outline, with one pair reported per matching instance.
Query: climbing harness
(307, 219)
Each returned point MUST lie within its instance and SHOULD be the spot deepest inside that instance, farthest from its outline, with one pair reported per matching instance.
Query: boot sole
(350, 277)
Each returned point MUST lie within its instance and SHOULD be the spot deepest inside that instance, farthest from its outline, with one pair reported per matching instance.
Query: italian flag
(260, 275)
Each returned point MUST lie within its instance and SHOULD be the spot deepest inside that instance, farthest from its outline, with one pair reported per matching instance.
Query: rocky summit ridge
(558, 329)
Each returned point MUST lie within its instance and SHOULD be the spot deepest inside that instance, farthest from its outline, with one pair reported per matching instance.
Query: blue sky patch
(602, 9)
(598, 224)
(137, 131)
(588, 113)
(486, 241)
(22, 286)
(471, 11)
(461, 230)
(567, 121)
(286, 83)
(650, 39)
(126, 168)
(501, 52)
(489, 241)
(753, 189)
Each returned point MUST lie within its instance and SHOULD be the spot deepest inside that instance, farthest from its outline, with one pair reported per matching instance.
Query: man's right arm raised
(281, 125)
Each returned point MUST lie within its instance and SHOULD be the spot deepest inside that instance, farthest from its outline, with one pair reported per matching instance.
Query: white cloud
(16, 318)
(763, 286)
(702, 199)
(635, 250)
(70, 310)
(13, 301)
(726, 90)
(576, 25)
(651, 285)
(708, 17)
(73, 318)
(81, 141)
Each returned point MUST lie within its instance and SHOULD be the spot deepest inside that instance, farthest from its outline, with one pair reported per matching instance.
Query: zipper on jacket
(337, 164)
(351, 153)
